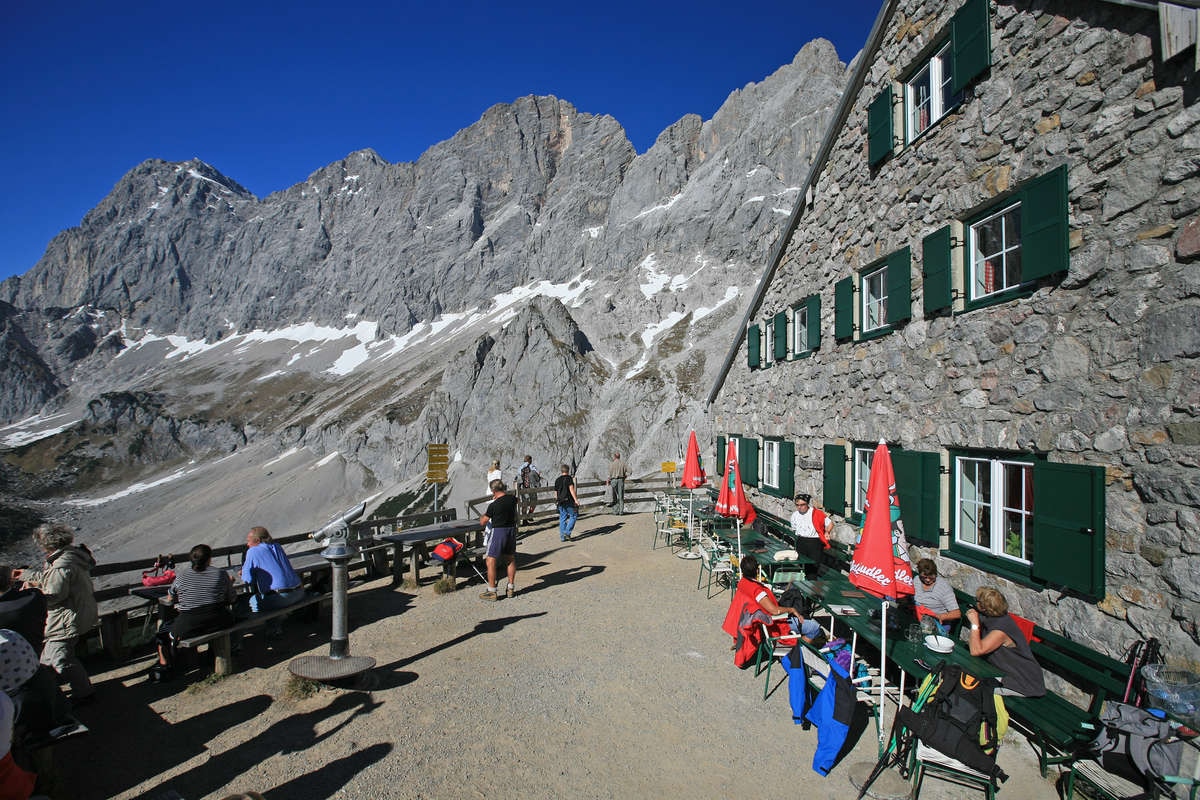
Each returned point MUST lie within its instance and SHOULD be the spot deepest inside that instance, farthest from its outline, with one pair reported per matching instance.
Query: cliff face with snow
(530, 285)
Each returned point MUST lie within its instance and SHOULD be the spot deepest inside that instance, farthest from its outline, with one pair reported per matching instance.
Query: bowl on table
(939, 644)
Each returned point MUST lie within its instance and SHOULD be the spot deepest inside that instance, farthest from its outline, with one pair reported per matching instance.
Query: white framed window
(993, 506)
(800, 330)
(927, 95)
(770, 475)
(874, 299)
(768, 343)
(863, 456)
(995, 243)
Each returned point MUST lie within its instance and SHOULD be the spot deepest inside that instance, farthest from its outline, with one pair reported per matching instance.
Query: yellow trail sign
(438, 461)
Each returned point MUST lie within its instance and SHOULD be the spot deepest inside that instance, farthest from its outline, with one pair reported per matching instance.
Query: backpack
(1134, 744)
(962, 719)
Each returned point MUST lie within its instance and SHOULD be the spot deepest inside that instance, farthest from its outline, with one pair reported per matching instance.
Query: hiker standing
(617, 473)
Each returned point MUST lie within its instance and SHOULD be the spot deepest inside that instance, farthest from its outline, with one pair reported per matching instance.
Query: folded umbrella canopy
(732, 502)
(880, 564)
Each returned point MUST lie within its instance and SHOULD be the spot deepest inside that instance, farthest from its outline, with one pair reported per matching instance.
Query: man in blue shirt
(269, 573)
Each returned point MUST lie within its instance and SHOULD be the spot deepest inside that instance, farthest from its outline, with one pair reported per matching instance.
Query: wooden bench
(1054, 725)
(221, 641)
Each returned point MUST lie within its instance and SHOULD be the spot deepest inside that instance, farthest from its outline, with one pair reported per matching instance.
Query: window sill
(994, 565)
(875, 333)
(1006, 296)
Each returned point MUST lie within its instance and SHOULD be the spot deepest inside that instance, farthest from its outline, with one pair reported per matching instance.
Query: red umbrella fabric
(693, 473)
(880, 564)
(732, 502)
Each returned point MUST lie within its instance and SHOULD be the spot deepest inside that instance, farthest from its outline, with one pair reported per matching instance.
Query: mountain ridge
(618, 273)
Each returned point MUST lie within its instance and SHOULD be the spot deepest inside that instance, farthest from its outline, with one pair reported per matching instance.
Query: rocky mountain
(192, 356)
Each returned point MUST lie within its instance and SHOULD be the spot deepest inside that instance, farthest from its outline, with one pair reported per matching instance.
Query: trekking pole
(1132, 658)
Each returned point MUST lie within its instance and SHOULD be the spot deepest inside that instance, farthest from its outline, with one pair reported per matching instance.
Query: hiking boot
(490, 595)
(510, 591)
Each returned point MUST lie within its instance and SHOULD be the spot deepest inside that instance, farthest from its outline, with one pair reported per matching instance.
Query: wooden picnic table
(420, 536)
(851, 606)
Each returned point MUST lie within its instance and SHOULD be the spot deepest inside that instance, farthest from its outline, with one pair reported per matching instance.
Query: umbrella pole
(738, 520)
(882, 664)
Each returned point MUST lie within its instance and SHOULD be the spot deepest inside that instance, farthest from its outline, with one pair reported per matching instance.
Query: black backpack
(952, 719)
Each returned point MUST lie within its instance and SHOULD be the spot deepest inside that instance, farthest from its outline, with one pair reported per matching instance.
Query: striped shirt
(193, 589)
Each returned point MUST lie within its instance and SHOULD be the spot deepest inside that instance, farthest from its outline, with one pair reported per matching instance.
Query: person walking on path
(66, 582)
(568, 503)
(501, 514)
(529, 479)
(616, 480)
(494, 474)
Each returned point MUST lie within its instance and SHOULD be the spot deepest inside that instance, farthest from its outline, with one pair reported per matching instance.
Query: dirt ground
(606, 676)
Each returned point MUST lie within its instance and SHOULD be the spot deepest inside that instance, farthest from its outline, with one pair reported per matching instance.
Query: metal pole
(339, 641)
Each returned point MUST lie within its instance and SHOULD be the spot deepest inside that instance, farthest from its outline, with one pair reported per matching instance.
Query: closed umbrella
(693, 478)
(732, 502)
(880, 564)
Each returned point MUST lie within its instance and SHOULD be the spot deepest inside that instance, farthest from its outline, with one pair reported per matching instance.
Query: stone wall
(1098, 366)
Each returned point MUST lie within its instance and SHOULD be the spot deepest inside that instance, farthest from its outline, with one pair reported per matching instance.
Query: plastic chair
(927, 761)
(772, 649)
(715, 561)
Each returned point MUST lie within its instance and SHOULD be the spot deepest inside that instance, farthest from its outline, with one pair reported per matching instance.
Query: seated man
(38, 705)
(936, 595)
(269, 573)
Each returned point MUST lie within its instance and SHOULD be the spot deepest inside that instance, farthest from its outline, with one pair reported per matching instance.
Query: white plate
(939, 644)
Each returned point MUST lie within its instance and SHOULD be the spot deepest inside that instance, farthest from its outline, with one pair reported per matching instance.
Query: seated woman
(995, 636)
(755, 603)
(202, 594)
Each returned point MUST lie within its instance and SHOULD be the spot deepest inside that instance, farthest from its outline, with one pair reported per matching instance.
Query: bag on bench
(1134, 744)
(446, 550)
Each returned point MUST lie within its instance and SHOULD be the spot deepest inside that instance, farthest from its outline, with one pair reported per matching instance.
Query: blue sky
(269, 92)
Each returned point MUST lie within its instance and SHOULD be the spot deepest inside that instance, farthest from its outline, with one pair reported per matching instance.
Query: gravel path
(606, 676)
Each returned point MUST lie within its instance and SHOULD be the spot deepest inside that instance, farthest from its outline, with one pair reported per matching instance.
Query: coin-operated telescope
(334, 536)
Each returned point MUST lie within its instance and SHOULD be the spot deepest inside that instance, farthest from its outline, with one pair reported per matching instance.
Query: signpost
(669, 468)
(437, 457)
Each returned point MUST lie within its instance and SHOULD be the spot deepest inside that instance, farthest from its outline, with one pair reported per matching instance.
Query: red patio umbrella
(732, 502)
(880, 564)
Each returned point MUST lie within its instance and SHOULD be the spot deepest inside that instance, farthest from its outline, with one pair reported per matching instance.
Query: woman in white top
(494, 474)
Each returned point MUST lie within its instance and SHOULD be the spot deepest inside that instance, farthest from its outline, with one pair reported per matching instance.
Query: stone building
(993, 268)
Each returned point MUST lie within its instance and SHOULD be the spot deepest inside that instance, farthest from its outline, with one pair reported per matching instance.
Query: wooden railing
(639, 496)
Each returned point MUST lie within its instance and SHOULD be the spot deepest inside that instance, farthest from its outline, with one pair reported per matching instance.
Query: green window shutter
(720, 459)
(918, 487)
(787, 469)
(879, 127)
(843, 308)
(781, 339)
(936, 268)
(753, 342)
(899, 286)
(833, 482)
(748, 461)
(1068, 527)
(814, 322)
(1044, 226)
(970, 43)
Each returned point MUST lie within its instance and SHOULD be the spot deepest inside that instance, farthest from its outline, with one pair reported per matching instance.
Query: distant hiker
(501, 514)
(66, 581)
(617, 473)
(529, 479)
(494, 474)
(568, 503)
